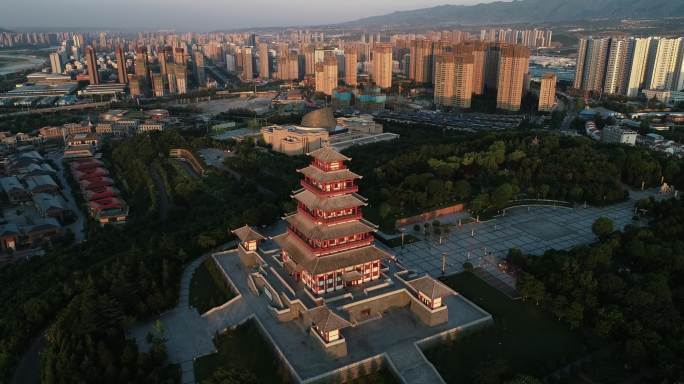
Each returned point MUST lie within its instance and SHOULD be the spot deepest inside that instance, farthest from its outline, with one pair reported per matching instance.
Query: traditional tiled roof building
(328, 245)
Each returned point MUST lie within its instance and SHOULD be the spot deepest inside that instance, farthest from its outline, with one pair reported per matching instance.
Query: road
(77, 227)
(162, 196)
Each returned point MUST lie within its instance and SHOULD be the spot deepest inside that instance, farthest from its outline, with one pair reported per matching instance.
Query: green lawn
(522, 340)
(208, 288)
(242, 349)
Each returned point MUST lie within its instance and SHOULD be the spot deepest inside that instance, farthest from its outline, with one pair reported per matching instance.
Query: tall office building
(513, 68)
(637, 65)
(617, 75)
(382, 65)
(91, 61)
(591, 64)
(350, 66)
(421, 61)
(666, 64)
(326, 74)
(264, 71)
(56, 63)
(547, 92)
(200, 74)
(453, 80)
(122, 73)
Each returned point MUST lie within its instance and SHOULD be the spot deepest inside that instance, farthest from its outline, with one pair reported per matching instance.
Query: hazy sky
(197, 14)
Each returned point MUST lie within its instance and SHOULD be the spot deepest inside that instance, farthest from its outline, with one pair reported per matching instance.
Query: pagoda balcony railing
(320, 251)
(331, 220)
(312, 188)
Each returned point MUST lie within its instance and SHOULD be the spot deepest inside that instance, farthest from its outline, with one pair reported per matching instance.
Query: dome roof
(320, 118)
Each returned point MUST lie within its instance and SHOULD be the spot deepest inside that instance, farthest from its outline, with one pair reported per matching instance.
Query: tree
(531, 288)
(602, 227)
(462, 190)
(502, 195)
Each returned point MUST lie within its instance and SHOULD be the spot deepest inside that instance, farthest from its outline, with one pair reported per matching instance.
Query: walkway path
(188, 334)
(413, 367)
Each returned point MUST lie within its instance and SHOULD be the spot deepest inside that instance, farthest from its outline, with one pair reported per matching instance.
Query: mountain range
(528, 11)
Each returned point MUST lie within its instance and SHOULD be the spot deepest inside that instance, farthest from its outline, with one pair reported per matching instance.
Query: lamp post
(444, 255)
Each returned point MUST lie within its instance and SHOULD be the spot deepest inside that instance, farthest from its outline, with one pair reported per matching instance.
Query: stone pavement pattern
(533, 230)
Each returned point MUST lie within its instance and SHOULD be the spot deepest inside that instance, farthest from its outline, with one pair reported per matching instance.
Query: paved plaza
(532, 229)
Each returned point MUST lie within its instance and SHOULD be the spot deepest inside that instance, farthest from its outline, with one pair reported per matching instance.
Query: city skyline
(194, 16)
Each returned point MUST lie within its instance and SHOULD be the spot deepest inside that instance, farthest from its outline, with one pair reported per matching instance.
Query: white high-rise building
(56, 62)
(667, 64)
(638, 64)
(617, 70)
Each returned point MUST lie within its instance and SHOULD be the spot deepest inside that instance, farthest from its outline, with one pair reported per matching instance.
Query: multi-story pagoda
(328, 245)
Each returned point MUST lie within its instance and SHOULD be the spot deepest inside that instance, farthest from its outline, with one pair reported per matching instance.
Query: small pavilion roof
(431, 287)
(329, 203)
(325, 176)
(247, 233)
(327, 155)
(326, 320)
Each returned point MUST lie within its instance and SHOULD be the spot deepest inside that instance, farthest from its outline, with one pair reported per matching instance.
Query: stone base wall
(376, 305)
(337, 348)
(427, 316)
(351, 372)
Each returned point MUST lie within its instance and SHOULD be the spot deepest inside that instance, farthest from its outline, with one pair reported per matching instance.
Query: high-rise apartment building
(264, 71)
(453, 80)
(382, 65)
(478, 50)
(591, 64)
(91, 62)
(122, 73)
(142, 67)
(350, 66)
(198, 62)
(617, 74)
(159, 84)
(247, 63)
(326, 74)
(547, 92)
(513, 67)
(134, 86)
(637, 65)
(56, 63)
(421, 61)
(667, 64)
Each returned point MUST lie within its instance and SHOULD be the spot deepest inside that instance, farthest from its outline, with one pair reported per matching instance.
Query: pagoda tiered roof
(327, 176)
(313, 201)
(314, 231)
(328, 155)
(303, 257)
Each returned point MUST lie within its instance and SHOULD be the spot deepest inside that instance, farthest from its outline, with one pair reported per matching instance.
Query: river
(15, 61)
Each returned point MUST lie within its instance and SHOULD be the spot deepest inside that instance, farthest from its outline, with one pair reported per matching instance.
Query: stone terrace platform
(391, 338)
